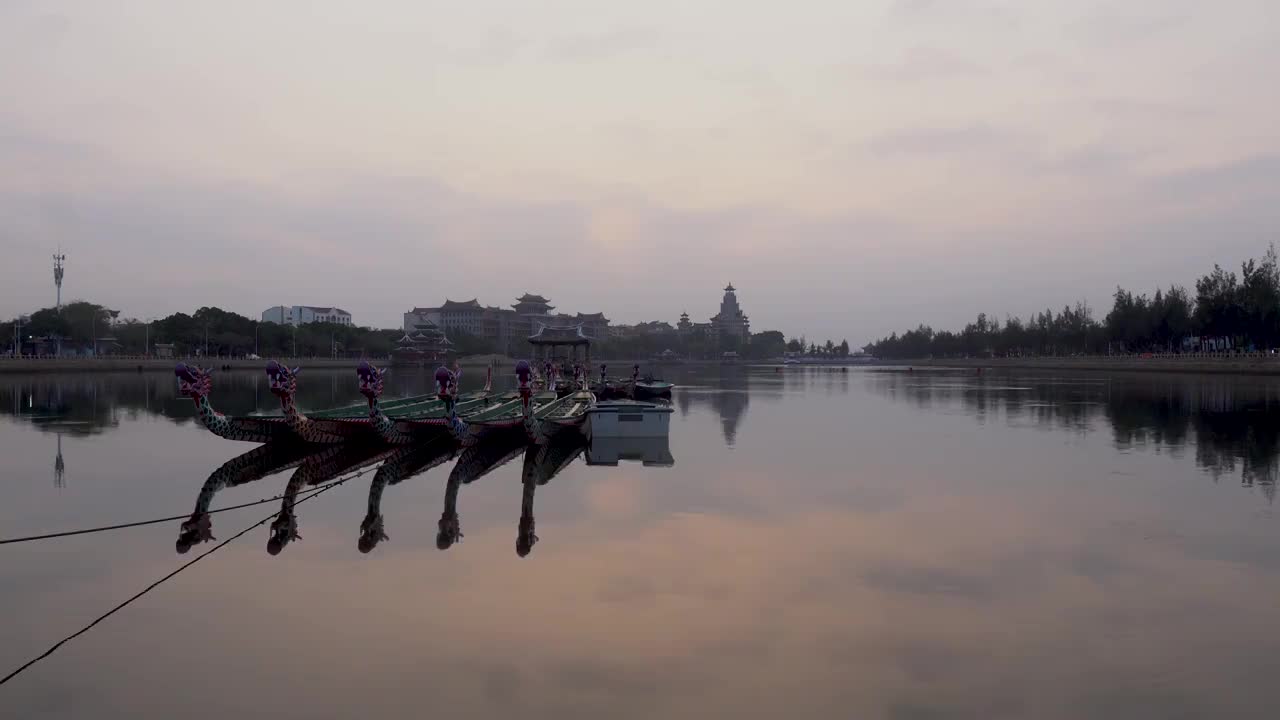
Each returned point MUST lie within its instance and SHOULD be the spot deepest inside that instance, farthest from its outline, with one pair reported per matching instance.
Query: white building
(302, 314)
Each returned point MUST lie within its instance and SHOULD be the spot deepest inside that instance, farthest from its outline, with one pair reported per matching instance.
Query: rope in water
(171, 518)
(162, 580)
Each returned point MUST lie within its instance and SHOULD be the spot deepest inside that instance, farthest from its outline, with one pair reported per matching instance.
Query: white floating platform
(629, 419)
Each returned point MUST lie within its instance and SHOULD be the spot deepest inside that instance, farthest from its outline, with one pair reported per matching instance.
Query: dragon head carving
(446, 383)
(370, 381)
(193, 381)
(283, 380)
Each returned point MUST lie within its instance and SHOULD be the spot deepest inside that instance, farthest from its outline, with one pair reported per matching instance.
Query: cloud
(978, 138)
(603, 45)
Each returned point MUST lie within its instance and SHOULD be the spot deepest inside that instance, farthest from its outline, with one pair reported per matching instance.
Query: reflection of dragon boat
(315, 469)
(240, 470)
(474, 463)
(541, 463)
(405, 463)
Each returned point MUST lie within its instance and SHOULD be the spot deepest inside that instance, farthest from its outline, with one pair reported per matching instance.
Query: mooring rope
(162, 580)
(84, 531)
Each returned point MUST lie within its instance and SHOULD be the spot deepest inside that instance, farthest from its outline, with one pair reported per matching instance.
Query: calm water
(863, 544)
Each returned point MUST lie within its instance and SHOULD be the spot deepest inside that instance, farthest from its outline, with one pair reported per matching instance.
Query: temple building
(507, 329)
(424, 342)
(731, 321)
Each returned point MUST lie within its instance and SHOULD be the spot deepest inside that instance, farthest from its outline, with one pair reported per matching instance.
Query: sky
(851, 167)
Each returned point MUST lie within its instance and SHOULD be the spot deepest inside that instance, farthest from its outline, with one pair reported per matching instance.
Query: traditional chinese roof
(472, 304)
(549, 335)
(730, 288)
(599, 317)
(528, 298)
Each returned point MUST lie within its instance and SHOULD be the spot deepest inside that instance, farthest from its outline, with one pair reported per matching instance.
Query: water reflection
(59, 467)
(541, 463)
(1233, 423)
(474, 463)
(405, 463)
(727, 393)
(315, 469)
(245, 468)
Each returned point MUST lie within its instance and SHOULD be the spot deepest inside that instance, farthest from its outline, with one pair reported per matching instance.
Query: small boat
(650, 387)
(629, 418)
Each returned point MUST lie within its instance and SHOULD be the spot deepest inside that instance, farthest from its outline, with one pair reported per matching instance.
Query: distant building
(425, 342)
(507, 329)
(731, 321)
(296, 315)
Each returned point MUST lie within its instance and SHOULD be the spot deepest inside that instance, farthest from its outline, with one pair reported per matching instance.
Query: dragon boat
(425, 413)
(196, 383)
(422, 419)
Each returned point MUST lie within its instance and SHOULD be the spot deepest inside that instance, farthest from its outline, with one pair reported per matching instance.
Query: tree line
(1228, 311)
(208, 331)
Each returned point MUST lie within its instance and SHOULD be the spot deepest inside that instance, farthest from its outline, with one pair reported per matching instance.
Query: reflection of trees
(1234, 422)
(1044, 402)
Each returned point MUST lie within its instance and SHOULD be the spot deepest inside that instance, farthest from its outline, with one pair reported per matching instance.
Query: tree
(767, 344)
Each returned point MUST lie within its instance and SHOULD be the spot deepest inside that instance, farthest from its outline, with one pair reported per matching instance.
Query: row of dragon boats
(546, 418)
(543, 406)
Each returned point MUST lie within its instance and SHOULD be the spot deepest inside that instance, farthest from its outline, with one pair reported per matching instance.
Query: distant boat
(651, 388)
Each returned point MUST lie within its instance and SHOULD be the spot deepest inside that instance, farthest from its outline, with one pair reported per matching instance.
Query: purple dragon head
(444, 381)
(370, 380)
(524, 372)
(193, 381)
(283, 380)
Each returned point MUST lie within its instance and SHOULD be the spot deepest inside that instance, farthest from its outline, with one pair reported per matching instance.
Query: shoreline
(1206, 366)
